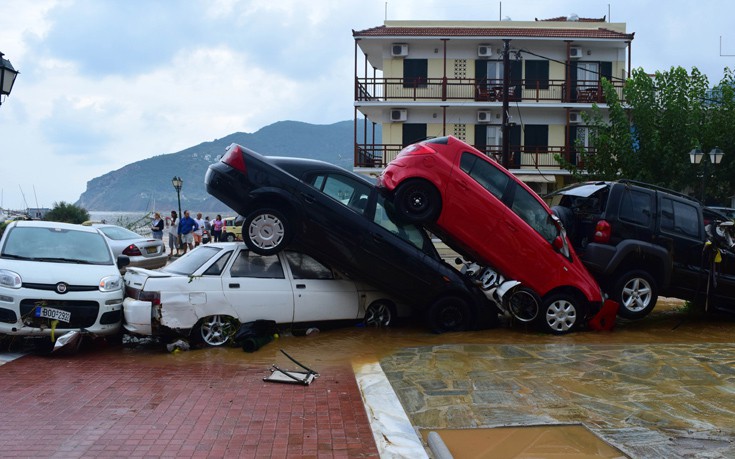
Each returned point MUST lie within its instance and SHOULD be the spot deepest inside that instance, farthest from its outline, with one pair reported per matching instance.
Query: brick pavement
(108, 403)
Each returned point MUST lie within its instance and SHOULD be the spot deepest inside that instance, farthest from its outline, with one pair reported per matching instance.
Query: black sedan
(339, 217)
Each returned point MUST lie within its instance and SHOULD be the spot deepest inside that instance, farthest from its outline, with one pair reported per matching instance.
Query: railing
(379, 155)
(444, 89)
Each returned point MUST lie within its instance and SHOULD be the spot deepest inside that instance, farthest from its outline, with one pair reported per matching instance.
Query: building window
(537, 74)
(415, 73)
(460, 131)
(588, 74)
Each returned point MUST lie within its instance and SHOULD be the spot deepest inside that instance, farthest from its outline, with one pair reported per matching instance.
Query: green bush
(68, 213)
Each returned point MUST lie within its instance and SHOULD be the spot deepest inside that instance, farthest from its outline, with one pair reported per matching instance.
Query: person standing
(173, 234)
(157, 228)
(187, 227)
(217, 228)
(199, 231)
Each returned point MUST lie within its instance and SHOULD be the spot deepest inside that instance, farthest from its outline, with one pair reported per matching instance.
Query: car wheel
(266, 231)
(447, 314)
(230, 237)
(417, 201)
(214, 330)
(379, 314)
(636, 291)
(560, 314)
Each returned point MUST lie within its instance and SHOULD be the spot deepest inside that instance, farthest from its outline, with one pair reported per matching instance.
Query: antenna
(500, 11)
(386, 11)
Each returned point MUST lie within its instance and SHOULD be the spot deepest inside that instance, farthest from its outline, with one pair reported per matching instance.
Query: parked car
(232, 229)
(728, 212)
(143, 252)
(61, 272)
(485, 213)
(338, 217)
(210, 290)
(641, 241)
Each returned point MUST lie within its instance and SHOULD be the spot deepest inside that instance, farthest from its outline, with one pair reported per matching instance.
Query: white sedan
(211, 289)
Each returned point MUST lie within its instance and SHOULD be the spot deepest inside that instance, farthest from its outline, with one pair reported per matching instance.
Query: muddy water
(667, 324)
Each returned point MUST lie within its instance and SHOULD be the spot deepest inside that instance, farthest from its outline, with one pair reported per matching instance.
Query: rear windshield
(56, 245)
(192, 261)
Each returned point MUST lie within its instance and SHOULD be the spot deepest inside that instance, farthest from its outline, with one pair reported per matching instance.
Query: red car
(486, 214)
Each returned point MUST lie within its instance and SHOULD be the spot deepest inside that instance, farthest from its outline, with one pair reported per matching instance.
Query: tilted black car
(641, 241)
(339, 217)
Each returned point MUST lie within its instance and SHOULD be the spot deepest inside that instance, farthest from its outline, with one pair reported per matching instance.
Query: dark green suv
(641, 241)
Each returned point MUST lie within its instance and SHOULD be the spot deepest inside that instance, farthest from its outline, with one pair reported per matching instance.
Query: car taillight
(602, 232)
(132, 251)
(416, 149)
(153, 297)
(233, 158)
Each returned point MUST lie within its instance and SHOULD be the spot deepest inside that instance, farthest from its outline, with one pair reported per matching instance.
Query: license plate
(151, 249)
(52, 313)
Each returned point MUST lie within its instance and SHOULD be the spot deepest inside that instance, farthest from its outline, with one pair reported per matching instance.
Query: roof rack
(660, 188)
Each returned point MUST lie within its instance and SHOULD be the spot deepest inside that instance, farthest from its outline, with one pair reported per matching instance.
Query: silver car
(143, 252)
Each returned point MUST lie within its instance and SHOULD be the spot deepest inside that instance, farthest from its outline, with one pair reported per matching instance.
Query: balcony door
(490, 74)
(413, 133)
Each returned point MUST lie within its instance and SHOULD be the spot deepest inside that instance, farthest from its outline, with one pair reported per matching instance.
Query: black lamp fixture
(7, 77)
(178, 183)
(695, 157)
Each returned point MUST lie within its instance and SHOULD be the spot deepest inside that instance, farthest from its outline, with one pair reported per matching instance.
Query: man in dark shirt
(187, 226)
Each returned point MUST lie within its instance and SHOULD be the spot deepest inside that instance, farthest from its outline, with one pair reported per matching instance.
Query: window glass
(526, 206)
(219, 266)
(305, 267)
(485, 173)
(350, 192)
(635, 207)
(681, 218)
(57, 245)
(192, 261)
(407, 232)
(248, 264)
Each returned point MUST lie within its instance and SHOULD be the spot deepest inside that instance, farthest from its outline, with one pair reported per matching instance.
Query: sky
(105, 83)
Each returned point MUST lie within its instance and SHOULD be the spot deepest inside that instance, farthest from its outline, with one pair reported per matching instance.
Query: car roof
(581, 189)
(300, 166)
(47, 224)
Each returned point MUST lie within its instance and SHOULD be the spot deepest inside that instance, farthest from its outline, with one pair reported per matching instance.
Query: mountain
(138, 186)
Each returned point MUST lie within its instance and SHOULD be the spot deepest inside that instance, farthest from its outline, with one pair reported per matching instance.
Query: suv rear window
(635, 207)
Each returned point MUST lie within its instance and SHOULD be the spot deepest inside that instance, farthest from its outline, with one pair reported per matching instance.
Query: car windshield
(56, 245)
(118, 233)
(192, 261)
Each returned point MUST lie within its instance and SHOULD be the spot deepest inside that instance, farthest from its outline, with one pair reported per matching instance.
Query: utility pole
(506, 89)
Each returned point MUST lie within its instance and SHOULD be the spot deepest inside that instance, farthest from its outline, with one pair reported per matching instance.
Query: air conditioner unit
(575, 118)
(399, 50)
(398, 114)
(484, 116)
(575, 52)
(484, 51)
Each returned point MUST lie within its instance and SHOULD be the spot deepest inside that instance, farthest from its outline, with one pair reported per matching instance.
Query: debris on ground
(256, 334)
(178, 345)
(291, 377)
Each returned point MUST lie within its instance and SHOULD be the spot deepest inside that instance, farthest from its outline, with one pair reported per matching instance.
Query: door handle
(462, 184)
(233, 285)
(300, 285)
(308, 198)
(377, 238)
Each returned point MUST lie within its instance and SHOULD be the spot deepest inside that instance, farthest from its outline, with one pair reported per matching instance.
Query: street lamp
(177, 183)
(7, 77)
(695, 157)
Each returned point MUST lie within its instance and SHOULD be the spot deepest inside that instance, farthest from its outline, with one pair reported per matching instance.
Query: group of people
(186, 233)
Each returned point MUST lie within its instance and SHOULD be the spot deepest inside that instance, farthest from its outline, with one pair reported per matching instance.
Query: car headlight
(10, 279)
(111, 283)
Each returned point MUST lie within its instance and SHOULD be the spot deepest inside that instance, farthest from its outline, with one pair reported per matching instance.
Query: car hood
(42, 272)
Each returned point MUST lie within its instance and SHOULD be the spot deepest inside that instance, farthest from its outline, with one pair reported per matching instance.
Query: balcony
(377, 156)
(470, 89)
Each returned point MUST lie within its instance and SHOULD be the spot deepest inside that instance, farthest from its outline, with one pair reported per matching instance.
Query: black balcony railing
(379, 155)
(464, 89)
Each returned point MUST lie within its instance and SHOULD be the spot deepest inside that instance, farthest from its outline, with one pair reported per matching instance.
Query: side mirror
(122, 261)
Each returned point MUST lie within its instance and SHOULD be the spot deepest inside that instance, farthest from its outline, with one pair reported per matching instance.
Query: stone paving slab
(657, 400)
(112, 403)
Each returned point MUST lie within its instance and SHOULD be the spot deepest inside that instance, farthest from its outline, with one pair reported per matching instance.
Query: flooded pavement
(660, 387)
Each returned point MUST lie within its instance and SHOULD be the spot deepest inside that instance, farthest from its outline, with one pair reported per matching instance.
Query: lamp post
(177, 183)
(695, 157)
(7, 77)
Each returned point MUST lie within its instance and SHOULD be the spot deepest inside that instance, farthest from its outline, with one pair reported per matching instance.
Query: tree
(69, 213)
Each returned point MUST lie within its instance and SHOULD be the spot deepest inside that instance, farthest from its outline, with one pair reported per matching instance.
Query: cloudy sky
(105, 83)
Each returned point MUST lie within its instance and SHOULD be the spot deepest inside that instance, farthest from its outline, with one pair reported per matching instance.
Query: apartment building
(477, 80)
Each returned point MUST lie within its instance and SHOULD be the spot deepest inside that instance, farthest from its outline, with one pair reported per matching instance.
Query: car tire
(636, 292)
(560, 313)
(379, 314)
(214, 330)
(417, 201)
(266, 231)
(230, 237)
(449, 314)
